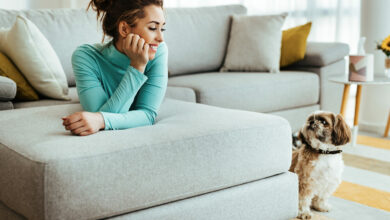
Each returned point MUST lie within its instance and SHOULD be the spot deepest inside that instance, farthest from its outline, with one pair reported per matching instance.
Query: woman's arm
(92, 96)
(149, 97)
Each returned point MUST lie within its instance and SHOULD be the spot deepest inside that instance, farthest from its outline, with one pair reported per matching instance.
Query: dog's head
(326, 127)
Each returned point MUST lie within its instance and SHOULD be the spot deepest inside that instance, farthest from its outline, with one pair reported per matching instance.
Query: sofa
(220, 147)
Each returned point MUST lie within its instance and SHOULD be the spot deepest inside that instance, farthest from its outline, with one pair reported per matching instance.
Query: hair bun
(101, 5)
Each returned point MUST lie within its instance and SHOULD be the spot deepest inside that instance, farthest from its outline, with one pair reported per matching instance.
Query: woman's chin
(151, 56)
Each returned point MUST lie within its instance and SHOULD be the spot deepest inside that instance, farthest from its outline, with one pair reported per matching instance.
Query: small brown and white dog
(318, 161)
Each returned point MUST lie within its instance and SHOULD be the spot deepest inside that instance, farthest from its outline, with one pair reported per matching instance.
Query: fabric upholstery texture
(6, 105)
(67, 22)
(48, 102)
(7, 89)
(240, 202)
(180, 93)
(35, 58)
(294, 44)
(50, 174)
(24, 90)
(320, 54)
(330, 92)
(204, 32)
(253, 91)
(252, 200)
(297, 116)
(9, 214)
(261, 51)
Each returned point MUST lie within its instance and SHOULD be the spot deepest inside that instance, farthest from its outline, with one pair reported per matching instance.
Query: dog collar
(320, 151)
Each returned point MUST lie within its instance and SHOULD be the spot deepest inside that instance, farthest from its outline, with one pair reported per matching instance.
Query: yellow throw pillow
(294, 44)
(24, 90)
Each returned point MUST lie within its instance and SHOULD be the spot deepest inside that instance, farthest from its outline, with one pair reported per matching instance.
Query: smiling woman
(122, 83)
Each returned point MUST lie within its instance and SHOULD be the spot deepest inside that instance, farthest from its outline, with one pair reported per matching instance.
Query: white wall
(375, 103)
(15, 4)
(38, 4)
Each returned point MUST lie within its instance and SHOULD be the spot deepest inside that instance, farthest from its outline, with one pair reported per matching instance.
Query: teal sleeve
(115, 109)
(149, 97)
(92, 96)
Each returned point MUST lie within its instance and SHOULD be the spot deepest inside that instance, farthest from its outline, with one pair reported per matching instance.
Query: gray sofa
(220, 147)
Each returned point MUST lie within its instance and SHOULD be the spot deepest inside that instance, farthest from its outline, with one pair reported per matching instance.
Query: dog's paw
(322, 207)
(304, 215)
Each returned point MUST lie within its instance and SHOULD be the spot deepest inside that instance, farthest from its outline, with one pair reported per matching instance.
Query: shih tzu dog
(318, 161)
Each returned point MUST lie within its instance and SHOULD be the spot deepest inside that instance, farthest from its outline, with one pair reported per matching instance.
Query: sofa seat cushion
(74, 98)
(260, 92)
(179, 93)
(47, 173)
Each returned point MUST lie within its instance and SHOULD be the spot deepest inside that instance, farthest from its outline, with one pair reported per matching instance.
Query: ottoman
(191, 151)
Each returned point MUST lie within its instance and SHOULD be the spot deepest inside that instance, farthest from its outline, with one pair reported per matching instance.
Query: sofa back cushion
(197, 38)
(65, 29)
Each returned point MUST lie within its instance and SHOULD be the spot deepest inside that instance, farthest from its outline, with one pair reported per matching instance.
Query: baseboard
(372, 127)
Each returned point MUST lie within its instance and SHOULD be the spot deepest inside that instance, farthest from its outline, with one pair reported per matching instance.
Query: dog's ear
(341, 132)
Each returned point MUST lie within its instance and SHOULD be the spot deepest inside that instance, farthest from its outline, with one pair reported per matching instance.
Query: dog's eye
(324, 122)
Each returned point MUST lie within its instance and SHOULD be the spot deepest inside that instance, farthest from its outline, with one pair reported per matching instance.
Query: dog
(318, 161)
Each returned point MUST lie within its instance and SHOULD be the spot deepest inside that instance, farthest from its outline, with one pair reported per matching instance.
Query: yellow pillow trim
(24, 90)
(294, 44)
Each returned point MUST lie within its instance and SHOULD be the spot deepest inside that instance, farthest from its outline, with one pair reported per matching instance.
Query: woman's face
(151, 28)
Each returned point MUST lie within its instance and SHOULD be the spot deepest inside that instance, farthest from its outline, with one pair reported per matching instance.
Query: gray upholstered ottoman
(193, 150)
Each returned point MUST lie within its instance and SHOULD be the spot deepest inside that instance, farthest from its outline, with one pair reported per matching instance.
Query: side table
(347, 85)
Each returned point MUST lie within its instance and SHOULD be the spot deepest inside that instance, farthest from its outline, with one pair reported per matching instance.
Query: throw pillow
(255, 43)
(294, 44)
(32, 53)
(24, 90)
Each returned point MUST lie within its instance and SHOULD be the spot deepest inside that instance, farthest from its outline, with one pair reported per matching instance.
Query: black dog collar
(320, 151)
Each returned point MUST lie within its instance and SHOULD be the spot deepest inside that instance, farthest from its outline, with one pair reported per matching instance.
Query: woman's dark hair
(114, 11)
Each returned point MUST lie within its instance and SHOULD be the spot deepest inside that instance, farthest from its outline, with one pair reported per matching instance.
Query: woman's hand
(84, 123)
(137, 50)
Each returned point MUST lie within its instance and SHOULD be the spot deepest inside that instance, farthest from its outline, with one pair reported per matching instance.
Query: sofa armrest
(326, 60)
(7, 93)
(320, 54)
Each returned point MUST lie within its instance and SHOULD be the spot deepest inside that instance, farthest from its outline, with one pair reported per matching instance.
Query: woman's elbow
(151, 116)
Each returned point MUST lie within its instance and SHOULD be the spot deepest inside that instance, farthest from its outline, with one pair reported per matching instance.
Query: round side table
(344, 80)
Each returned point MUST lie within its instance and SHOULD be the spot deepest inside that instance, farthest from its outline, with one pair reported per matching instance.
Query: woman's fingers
(146, 49)
(80, 130)
(71, 119)
(84, 123)
(134, 43)
(140, 45)
(127, 42)
(74, 125)
(136, 48)
(85, 133)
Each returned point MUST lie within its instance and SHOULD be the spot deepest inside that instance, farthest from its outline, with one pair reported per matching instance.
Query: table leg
(357, 105)
(356, 117)
(387, 126)
(345, 99)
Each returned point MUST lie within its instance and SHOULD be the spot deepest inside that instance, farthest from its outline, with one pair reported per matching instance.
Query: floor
(365, 189)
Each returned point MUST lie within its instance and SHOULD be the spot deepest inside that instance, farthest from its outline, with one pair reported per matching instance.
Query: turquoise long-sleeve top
(107, 83)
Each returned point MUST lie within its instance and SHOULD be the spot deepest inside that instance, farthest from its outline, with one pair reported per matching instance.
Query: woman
(121, 84)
